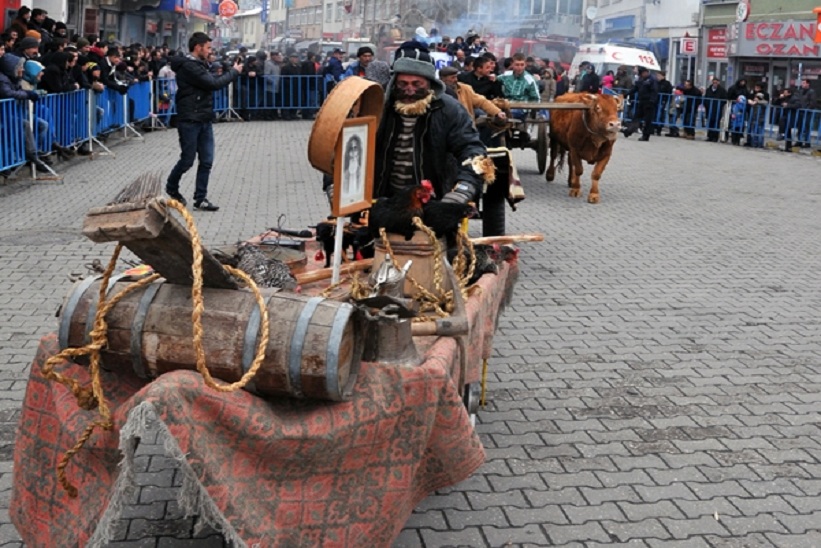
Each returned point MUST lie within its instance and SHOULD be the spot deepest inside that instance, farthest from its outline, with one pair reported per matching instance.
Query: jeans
(196, 139)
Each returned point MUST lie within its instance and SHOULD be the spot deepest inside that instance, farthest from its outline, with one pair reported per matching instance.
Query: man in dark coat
(291, 73)
(806, 102)
(645, 90)
(665, 94)
(422, 131)
(692, 100)
(715, 100)
(195, 113)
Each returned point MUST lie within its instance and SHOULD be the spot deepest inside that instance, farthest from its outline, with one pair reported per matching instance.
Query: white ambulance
(610, 57)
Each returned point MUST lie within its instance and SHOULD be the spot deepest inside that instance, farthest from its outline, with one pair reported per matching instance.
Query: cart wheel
(471, 398)
(541, 148)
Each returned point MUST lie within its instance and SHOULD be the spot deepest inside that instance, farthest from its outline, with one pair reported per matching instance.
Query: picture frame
(353, 166)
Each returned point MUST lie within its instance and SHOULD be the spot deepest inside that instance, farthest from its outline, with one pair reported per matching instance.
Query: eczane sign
(778, 39)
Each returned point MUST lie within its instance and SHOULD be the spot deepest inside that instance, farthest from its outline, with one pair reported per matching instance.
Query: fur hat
(417, 61)
(82, 42)
(29, 42)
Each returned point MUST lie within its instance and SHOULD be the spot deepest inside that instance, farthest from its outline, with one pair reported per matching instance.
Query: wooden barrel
(314, 347)
(418, 249)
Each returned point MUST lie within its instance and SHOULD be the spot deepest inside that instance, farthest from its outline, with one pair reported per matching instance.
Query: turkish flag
(348, 5)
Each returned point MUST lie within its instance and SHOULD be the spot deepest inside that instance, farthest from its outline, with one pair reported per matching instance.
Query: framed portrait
(353, 166)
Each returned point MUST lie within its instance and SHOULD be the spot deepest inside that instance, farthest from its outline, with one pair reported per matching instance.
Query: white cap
(421, 32)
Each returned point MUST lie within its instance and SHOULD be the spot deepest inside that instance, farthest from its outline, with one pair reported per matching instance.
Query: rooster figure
(395, 214)
(265, 271)
(488, 258)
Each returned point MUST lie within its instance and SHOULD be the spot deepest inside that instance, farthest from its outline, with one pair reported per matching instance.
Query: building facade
(767, 41)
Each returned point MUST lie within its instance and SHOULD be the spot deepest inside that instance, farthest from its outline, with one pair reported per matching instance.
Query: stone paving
(656, 380)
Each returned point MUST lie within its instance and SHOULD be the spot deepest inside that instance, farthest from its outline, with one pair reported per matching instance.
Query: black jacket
(589, 83)
(445, 130)
(646, 90)
(195, 88)
(491, 89)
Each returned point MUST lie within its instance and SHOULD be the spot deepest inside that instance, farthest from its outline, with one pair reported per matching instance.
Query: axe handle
(325, 273)
(509, 239)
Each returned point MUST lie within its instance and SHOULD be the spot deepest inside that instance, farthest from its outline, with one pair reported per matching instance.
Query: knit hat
(82, 42)
(421, 32)
(34, 34)
(363, 50)
(29, 42)
(412, 59)
(31, 70)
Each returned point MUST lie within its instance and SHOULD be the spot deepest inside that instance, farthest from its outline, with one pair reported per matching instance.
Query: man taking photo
(195, 113)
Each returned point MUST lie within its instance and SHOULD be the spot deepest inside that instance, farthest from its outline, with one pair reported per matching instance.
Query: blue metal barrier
(165, 106)
(61, 118)
(139, 95)
(13, 115)
(112, 115)
(284, 93)
(222, 100)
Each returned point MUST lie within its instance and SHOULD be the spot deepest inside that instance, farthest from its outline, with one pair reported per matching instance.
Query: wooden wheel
(541, 148)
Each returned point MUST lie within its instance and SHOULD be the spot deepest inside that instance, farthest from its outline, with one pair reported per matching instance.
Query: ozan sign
(788, 39)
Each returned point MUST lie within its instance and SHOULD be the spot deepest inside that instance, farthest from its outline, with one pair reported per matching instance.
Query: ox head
(603, 114)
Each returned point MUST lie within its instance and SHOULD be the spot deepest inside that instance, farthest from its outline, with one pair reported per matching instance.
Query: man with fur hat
(422, 130)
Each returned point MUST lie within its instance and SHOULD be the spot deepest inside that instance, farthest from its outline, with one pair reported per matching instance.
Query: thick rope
(94, 397)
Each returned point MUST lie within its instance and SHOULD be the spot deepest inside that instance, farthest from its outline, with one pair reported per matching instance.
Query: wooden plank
(159, 240)
(547, 106)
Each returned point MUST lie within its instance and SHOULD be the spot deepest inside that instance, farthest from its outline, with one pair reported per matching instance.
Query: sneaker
(177, 196)
(205, 205)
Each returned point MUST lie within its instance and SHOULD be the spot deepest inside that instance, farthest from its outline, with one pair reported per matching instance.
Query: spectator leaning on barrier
(58, 74)
(28, 47)
(691, 103)
(195, 114)
(665, 92)
(715, 109)
(291, 72)
(11, 76)
(806, 102)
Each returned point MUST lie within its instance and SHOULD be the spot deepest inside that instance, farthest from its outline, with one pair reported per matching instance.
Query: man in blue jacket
(195, 113)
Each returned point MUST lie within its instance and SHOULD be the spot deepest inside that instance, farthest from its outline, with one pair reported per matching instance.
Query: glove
(455, 198)
(32, 95)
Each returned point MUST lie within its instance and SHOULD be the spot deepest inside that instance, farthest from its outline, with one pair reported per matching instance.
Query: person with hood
(588, 79)
(195, 114)
(33, 74)
(421, 128)
(11, 76)
(738, 118)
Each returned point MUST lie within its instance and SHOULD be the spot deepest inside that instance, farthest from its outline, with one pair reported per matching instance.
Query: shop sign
(150, 26)
(717, 35)
(689, 46)
(775, 39)
(742, 11)
(717, 51)
(755, 70)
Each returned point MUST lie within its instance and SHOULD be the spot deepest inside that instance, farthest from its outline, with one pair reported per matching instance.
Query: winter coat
(195, 88)
(9, 83)
(806, 98)
(445, 130)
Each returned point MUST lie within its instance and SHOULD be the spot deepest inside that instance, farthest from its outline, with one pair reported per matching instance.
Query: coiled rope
(93, 397)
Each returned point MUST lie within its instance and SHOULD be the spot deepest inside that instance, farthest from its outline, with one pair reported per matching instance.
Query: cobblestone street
(656, 379)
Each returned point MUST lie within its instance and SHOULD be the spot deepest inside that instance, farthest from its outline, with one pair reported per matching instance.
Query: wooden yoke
(150, 232)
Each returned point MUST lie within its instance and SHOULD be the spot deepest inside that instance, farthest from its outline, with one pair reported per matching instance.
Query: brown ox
(587, 134)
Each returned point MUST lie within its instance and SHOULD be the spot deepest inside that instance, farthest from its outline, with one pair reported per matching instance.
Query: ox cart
(519, 134)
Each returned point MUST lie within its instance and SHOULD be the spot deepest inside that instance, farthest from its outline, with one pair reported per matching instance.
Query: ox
(587, 134)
